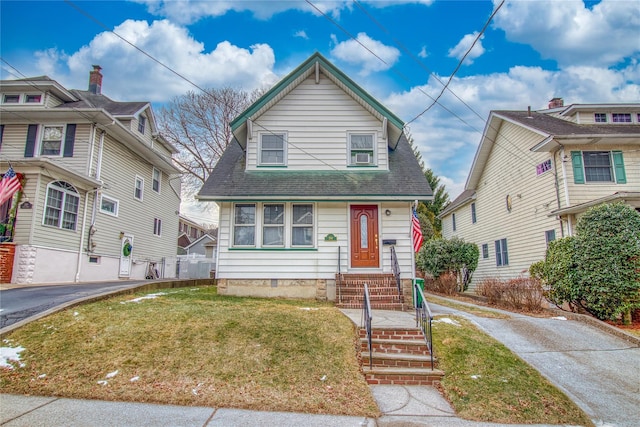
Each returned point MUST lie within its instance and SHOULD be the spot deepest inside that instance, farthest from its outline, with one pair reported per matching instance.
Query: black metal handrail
(366, 313)
(423, 317)
(339, 281)
(396, 269)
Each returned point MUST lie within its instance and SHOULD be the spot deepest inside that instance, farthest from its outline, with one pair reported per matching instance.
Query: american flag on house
(9, 185)
(416, 232)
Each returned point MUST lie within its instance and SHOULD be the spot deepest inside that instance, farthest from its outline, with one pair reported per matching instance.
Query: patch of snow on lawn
(559, 318)
(150, 296)
(447, 321)
(8, 354)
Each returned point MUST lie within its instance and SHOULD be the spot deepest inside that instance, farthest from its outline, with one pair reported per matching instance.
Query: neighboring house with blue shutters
(100, 197)
(535, 173)
(319, 181)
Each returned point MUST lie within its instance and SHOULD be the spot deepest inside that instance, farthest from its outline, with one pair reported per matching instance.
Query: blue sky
(532, 51)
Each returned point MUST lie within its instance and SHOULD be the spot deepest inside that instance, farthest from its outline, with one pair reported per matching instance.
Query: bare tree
(197, 124)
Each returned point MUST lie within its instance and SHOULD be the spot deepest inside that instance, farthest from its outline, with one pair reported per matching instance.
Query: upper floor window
(109, 205)
(51, 140)
(485, 250)
(10, 98)
(474, 219)
(621, 117)
(139, 188)
(61, 208)
(361, 149)
(598, 166)
(142, 121)
(157, 226)
(600, 117)
(155, 183)
(33, 98)
(502, 256)
(272, 149)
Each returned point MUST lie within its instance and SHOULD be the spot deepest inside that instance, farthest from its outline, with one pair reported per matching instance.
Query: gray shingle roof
(559, 127)
(229, 180)
(115, 108)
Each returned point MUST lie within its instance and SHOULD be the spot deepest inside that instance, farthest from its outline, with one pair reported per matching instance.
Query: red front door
(364, 236)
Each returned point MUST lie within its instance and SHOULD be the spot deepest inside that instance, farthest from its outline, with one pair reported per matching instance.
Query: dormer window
(11, 99)
(601, 117)
(361, 149)
(33, 98)
(273, 149)
(142, 121)
(621, 117)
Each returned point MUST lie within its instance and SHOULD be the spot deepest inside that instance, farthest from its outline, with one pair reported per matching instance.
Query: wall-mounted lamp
(387, 212)
(121, 234)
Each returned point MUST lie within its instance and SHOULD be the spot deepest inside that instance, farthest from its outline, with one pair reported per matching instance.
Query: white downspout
(84, 225)
(566, 191)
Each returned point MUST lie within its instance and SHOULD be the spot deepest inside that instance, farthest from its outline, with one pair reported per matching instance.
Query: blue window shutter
(1, 134)
(578, 171)
(505, 253)
(31, 140)
(618, 165)
(69, 140)
(498, 254)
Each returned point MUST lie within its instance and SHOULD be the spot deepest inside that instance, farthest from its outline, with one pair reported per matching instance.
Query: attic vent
(363, 158)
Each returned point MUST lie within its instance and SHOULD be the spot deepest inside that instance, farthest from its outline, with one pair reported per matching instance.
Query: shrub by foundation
(524, 294)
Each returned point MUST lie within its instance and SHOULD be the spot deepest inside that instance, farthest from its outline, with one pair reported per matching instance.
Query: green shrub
(607, 255)
(439, 256)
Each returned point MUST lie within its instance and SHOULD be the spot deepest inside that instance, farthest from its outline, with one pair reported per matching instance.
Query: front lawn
(193, 347)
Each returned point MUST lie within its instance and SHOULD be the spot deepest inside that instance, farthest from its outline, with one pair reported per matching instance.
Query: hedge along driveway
(597, 370)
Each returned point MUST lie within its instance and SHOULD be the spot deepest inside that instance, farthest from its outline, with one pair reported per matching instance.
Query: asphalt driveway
(600, 372)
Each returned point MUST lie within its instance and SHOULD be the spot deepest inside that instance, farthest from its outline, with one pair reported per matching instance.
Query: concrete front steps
(400, 356)
(383, 291)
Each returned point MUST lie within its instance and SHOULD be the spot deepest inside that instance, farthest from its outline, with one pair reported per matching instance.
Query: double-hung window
(272, 149)
(51, 140)
(244, 224)
(157, 226)
(302, 225)
(139, 188)
(550, 236)
(142, 121)
(155, 183)
(485, 250)
(361, 149)
(61, 209)
(598, 166)
(502, 256)
(273, 224)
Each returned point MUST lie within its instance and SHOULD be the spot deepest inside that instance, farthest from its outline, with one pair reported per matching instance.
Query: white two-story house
(100, 194)
(536, 172)
(319, 180)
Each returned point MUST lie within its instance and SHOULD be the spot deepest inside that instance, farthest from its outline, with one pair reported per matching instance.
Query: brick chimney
(556, 102)
(95, 80)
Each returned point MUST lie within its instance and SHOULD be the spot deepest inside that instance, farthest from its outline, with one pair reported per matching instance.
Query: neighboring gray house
(319, 180)
(101, 195)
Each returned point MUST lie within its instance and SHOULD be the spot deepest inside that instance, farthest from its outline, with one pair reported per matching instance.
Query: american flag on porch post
(9, 185)
(416, 231)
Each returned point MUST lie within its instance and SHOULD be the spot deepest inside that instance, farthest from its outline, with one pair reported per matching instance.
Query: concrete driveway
(600, 372)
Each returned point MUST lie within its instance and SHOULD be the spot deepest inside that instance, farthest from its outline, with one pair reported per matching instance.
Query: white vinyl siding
(320, 261)
(318, 119)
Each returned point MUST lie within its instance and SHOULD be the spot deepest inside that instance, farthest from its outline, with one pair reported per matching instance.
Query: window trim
(63, 137)
(234, 225)
(502, 253)
(116, 203)
(615, 116)
(285, 144)
(30, 94)
(597, 116)
(66, 189)
(312, 225)
(5, 95)
(157, 227)
(135, 188)
(485, 250)
(281, 225)
(142, 123)
(153, 180)
(374, 151)
(547, 234)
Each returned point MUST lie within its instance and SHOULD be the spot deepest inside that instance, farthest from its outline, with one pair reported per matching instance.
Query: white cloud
(353, 52)
(448, 140)
(463, 46)
(571, 33)
(129, 74)
(423, 52)
(189, 11)
(302, 34)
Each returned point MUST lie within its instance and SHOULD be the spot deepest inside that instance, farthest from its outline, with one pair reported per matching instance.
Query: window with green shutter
(618, 166)
(578, 171)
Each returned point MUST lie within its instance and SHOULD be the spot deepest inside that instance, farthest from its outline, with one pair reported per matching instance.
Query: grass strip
(481, 312)
(485, 381)
(194, 347)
